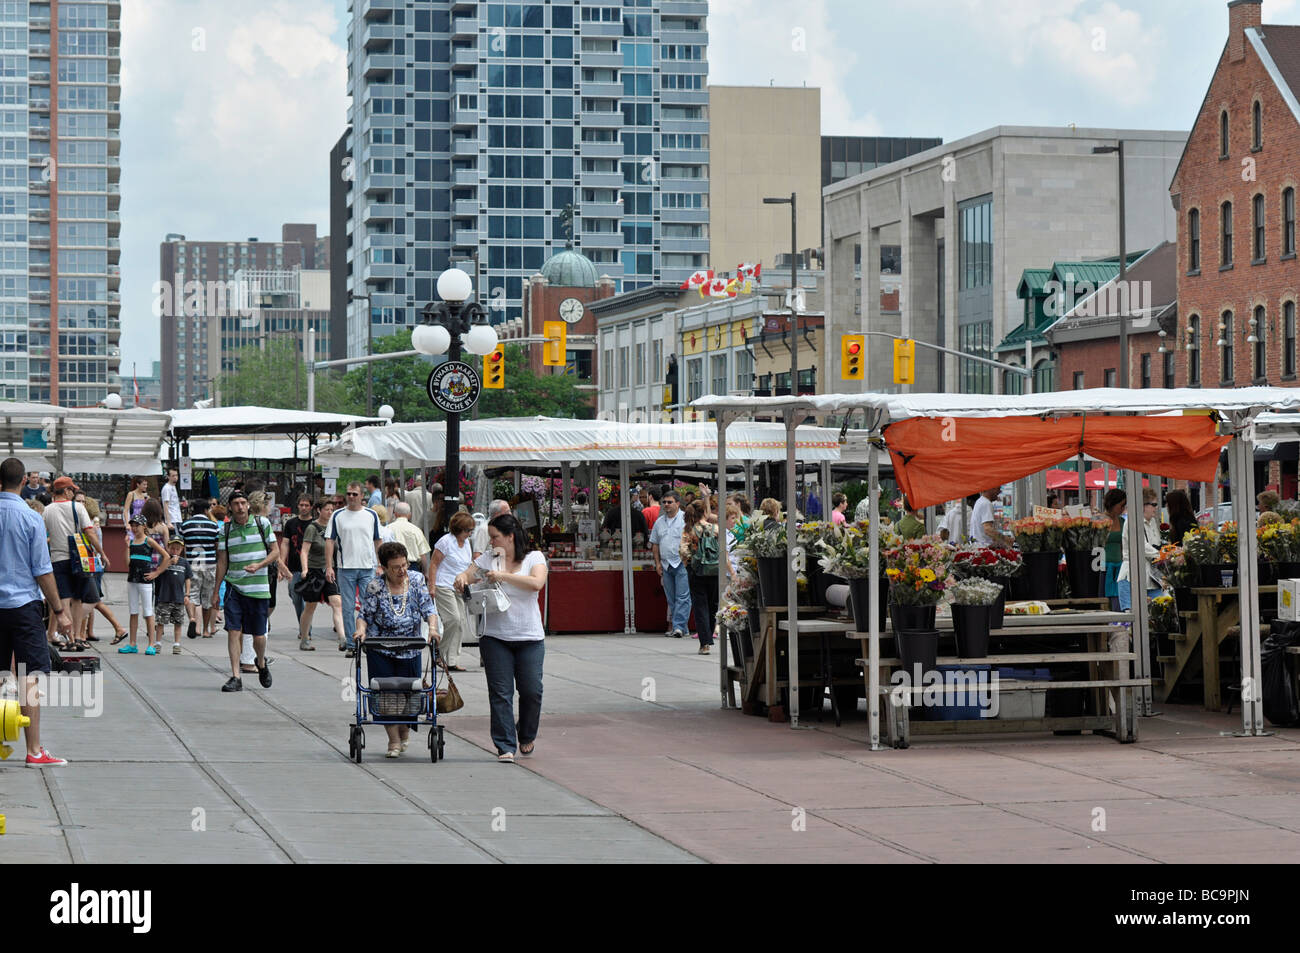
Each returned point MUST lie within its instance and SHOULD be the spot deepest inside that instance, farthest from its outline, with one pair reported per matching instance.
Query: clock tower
(567, 283)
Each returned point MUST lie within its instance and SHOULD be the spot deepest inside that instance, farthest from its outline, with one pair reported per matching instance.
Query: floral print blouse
(380, 609)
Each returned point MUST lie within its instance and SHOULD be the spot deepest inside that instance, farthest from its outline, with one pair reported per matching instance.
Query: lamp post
(370, 349)
(794, 284)
(451, 323)
(1123, 264)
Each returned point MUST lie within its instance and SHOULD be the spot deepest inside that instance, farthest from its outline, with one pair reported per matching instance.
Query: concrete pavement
(635, 762)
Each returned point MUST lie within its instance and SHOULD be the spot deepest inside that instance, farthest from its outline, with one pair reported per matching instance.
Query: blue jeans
(511, 665)
(349, 581)
(677, 590)
(1126, 594)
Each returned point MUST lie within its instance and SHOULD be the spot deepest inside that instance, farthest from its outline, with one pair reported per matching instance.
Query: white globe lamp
(454, 285)
(481, 339)
(113, 402)
(431, 339)
(386, 412)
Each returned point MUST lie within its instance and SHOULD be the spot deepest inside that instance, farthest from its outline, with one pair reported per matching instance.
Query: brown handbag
(448, 699)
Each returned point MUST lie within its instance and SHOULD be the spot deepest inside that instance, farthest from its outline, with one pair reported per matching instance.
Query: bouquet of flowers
(811, 532)
(1289, 509)
(919, 571)
(1274, 540)
(985, 563)
(1228, 543)
(847, 555)
(1171, 562)
(1084, 533)
(1201, 546)
(1037, 535)
(1164, 614)
(975, 592)
(766, 536)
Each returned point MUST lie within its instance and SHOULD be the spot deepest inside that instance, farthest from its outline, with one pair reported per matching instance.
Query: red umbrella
(1096, 478)
(1062, 479)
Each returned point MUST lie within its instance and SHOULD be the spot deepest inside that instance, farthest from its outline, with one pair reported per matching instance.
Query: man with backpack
(351, 544)
(245, 550)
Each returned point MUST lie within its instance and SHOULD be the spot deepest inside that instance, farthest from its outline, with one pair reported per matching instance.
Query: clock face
(571, 310)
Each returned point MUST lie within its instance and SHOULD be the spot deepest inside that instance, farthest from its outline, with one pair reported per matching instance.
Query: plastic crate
(1024, 704)
(951, 710)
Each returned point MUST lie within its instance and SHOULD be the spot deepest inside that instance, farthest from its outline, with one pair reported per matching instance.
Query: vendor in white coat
(1150, 549)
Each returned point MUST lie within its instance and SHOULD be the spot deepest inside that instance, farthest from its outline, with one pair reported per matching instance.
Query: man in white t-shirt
(953, 527)
(171, 501)
(353, 537)
(983, 526)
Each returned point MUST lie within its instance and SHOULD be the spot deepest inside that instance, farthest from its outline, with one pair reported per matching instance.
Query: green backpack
(704, 561)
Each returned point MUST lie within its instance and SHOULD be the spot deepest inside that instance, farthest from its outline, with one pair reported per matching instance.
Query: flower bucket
(860, 596)
(1041, 570)
(970, 624)
(911, 618)
(773, 580)
(1085, 582)
(1211, 574)
(918, 647)
(997, 611)
(1184, 599)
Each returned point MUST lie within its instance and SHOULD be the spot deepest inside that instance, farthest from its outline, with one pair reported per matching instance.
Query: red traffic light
(495, 356)
(853, 347)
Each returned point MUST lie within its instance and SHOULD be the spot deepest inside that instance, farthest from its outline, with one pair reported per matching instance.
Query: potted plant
(1163, 614)
(810, 534)
(1201, 549)
(847, 554)
(1084, 541)
(1228, 549)
(1039, 542)
(996, 565)
(766, 538)
(1274, 547)
(1289, 568)
(918, 573)
(972, 607)
(1171, 563)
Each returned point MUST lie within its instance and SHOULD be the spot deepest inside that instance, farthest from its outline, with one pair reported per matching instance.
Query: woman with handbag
(392, 607)
(512, 644)
(700, 534)
(451, 557)
(313, 587)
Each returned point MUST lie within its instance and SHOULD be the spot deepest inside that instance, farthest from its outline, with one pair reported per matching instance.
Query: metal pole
(370, 349)
(792, 578)
(310, 347)
(722, 640)
(625, 517)
(566, 492)
(1241, 459)
(794, 314)
(1137, 581)
(451, 480)
(1123, 270)
(873, 602)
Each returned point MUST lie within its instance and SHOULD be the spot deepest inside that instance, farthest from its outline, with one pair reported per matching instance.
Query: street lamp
(387, 413)
(451, 323)
(112, 402)
(1123, 264)
(370, 350)
(794, 283)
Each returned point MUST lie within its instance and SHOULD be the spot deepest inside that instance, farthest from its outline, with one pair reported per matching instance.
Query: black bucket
(970, 624)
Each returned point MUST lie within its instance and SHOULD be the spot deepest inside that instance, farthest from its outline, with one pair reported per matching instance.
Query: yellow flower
(927, 575)
(891, 572)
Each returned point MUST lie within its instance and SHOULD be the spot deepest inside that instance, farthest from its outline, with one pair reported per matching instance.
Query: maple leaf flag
(739, 285)
(716, 288)
(747, 269)
(697, 280)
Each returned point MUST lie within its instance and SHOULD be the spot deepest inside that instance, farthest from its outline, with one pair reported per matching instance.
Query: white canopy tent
(1241, 407)
(541, 440)
(83, 439)
(250, 420)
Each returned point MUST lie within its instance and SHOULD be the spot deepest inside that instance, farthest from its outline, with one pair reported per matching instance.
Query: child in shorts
(172, 593)
(140, 575)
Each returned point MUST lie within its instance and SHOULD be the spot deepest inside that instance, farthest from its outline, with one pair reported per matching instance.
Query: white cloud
(227, 140)
(756, 42)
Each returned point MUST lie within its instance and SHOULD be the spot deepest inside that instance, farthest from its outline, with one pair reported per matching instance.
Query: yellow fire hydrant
(12, 721)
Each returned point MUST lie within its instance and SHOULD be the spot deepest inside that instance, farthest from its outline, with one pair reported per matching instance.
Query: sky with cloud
(230, 107)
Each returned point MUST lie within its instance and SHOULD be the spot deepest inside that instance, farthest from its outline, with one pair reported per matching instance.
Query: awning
(941, 459)
(86, 439)
(248, 420)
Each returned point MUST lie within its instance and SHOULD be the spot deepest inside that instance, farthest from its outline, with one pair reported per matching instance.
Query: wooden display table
(1109, 677)
(1197, 647)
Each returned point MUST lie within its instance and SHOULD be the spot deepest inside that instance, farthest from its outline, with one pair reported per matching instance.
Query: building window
(1223, 134)
(1193, 351)
(624, 379)
(1078, 380)
(1261, 358)
(744, 371)
(975, 249)
(718, 376)
(694, 379)
(1146, 370)
(1288, 221)
(1257, 209)
(1194, 240)
(1288, 331)
(1225, 235)
(1225, 347)
(1256, 126)
(657, 361)
(640, 364)
(1013, 382)
(607, 371)
(1108, 378)
(1169, 368)
(1044, 377)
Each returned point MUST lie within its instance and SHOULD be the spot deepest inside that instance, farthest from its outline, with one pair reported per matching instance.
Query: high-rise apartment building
(494, 132)
(214, 298)
(60, 98)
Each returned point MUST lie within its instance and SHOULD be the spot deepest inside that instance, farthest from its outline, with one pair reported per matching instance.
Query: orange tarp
(941, 459)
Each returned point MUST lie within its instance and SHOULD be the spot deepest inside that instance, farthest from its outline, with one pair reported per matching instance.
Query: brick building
(567, 283)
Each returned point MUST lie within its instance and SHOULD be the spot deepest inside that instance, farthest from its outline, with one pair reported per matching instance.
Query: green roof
(1033, 281)
(570, 269)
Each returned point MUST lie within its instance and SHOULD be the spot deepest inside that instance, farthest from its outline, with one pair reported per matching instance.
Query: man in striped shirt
(245, 548)
(200, 534)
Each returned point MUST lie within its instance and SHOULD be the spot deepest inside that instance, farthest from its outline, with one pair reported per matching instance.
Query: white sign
(587, 529)
(331, 486)
(329, 473)
(796, 298)
(187, 473)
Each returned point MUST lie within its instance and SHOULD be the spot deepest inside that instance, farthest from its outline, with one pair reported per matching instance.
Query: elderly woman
(451, 557)
(392, 607)
(512, 644)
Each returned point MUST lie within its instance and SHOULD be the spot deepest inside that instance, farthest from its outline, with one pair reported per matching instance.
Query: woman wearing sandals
(392, 607)
(313, 567)
(512, 644)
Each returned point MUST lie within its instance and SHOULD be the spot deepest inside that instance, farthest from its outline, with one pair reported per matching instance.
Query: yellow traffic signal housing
(904, 361)
(494, 368)
(555, 348)
(852, 354)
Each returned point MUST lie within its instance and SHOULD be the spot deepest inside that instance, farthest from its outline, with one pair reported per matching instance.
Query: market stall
(595, 581)
(930, 469)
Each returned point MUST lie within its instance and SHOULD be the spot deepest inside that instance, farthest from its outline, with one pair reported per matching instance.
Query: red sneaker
(44, 760)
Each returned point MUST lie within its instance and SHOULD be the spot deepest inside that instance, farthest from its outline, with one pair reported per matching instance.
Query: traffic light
(904, 361)
(494, 368)
(852, 347)
(555, 347)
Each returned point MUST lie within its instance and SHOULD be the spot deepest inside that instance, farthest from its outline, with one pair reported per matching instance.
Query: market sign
(453, 387)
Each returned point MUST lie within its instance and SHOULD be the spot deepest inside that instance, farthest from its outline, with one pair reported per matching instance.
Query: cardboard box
(1288, 600)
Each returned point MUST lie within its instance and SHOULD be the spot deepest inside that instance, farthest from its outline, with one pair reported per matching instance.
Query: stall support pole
(749, 483)
(567, 495)
(1241, 461)
(625, 516)
(1083, 487)
(792, 574)
(401, 479)
(427, 500)
(722, 641)
(873, 607)
(1137, 582)
(826, 490)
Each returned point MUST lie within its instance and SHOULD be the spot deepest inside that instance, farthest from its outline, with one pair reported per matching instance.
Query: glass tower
(59, 201)
(475, 126)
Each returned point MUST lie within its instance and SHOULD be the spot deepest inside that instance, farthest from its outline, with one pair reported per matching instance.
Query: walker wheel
(359, 744)
(433, 748)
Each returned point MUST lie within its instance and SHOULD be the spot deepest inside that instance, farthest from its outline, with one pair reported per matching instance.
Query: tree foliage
(276, 376)
(527, 394)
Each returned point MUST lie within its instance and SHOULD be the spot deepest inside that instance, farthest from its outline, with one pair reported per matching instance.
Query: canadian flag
(739, 285)
(697, 279)
(747, 269)
(716, 288)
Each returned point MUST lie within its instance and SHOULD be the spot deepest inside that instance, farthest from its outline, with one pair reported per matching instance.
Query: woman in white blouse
(452, 556)
(512, 644)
